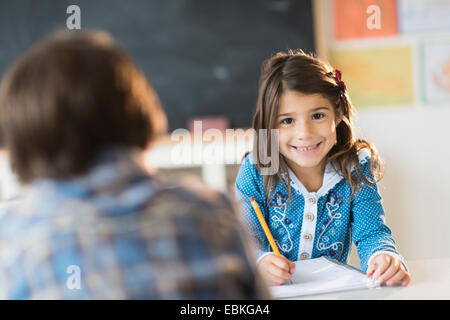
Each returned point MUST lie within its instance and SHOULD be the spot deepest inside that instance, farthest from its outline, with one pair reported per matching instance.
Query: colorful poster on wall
(376, 77)
(364, 18)
(436, 71)
(423, 15)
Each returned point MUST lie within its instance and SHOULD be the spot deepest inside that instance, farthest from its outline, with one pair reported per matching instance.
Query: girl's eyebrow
(320, 108)
(312, 110)
(285, 114)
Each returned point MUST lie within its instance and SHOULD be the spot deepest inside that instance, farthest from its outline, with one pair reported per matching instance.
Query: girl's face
(307, 130)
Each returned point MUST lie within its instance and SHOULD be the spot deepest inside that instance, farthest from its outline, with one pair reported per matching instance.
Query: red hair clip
(341, 84)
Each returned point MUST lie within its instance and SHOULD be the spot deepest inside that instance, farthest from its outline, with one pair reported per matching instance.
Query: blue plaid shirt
(120, 233)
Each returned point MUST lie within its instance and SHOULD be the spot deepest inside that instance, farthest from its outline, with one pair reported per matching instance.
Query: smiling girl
(324, 195)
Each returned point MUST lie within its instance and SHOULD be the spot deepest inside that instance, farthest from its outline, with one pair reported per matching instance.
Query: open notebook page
(322, 275)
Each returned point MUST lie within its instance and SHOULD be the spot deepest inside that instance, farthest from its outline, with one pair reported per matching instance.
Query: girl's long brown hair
(298, 71)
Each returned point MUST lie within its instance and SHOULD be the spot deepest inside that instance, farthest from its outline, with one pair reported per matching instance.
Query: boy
(76, 114)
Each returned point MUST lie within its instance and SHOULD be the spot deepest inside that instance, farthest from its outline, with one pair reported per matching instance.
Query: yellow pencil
(264, 226)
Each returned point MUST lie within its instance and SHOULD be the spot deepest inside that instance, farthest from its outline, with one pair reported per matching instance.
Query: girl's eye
(287, 121)
(318, 116)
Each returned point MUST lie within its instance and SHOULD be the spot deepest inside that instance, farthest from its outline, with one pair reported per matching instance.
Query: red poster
(364, 18)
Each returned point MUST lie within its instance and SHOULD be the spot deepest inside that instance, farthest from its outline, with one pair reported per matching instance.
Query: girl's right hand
(275, 270)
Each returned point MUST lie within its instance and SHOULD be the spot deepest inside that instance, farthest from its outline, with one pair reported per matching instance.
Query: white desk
(210, 150)
(430, 279)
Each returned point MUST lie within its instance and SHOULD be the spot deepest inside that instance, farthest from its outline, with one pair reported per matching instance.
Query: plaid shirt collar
(117, 183)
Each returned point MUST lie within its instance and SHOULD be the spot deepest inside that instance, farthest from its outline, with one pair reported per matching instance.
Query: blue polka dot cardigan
(316, 223)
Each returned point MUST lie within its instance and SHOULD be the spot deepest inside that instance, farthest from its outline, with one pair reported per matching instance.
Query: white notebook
(322, 275)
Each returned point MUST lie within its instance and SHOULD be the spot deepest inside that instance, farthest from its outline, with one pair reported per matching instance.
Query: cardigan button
(309, 217)
(307, 237)
(304, 256)
(312, 200)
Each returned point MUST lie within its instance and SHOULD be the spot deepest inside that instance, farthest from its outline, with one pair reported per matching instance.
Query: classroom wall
(414, 144)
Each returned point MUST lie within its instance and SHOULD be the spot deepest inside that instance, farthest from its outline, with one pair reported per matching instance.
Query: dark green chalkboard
(202, 56)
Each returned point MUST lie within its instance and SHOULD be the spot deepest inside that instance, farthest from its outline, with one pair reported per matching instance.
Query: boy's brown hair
(298, 71)
(70, 96)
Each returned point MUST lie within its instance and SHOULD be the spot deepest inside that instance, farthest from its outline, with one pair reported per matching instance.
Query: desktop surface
(430, 280)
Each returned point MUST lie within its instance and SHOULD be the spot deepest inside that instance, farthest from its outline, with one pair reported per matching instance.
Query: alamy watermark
(214, 146)
(73, 281)
(374, 20)
(74, 20)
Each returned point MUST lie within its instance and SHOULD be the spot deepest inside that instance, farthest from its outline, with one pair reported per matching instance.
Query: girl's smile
(307, 149)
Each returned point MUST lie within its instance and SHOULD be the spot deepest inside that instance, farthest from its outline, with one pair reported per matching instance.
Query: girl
(324, 194)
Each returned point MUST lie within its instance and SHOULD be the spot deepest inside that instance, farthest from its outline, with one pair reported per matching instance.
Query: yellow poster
(376, 77)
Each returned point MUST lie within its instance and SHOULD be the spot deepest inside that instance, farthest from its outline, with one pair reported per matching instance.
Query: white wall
(414, 142)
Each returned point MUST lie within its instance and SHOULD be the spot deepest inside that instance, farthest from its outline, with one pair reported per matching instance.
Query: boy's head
(69, 97)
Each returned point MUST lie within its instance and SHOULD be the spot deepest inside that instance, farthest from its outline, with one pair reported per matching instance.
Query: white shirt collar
(330, 179)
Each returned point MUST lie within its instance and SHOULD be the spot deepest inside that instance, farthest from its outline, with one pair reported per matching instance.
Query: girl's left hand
(388, 268)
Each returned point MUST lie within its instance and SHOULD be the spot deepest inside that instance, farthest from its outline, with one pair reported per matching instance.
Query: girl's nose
(304, 130)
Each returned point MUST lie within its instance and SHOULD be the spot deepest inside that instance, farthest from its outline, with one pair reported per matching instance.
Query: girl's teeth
(306, 149)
